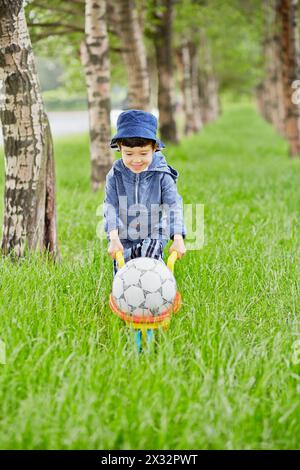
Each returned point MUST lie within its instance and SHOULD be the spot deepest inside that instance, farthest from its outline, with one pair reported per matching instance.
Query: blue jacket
(134, 201)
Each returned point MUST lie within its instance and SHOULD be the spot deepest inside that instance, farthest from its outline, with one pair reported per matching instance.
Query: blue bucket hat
(136, 123)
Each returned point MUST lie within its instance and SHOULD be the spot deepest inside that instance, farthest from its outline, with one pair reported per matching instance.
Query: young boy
(142, 208)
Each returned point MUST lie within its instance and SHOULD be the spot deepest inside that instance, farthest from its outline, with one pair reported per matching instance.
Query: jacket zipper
(136, 196)
(136, 188)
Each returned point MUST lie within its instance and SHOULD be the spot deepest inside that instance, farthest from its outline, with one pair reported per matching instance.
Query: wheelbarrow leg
(143, 338)
(150, 335)
(138, 340)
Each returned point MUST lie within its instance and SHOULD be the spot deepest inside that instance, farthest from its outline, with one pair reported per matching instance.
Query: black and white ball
(144, 287)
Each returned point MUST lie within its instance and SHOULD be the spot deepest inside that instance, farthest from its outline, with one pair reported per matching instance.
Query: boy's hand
(114, 245)
(178, 245)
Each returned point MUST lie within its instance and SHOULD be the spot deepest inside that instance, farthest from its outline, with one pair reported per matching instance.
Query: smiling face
(137, 158)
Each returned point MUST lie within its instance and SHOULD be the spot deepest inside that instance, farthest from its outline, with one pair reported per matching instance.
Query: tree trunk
(276, 87)
(134, 54)
(287, 20)
(270, 71)
(195, 86)
(268, 83)
(29, 199)
(261, 100)
(208, 84)
(95, 60)
(153, 75)
(189, 87)
(271, 89)
(280, 115)
(162, 39)
(50, 240)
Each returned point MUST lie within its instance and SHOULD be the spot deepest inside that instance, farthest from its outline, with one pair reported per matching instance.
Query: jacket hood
(158, 164)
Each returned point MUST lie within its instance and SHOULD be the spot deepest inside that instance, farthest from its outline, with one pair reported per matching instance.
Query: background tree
(126, 24)
(280, 53)
(287, 21)
(159, 28)
(270, 96)
(187, 65)
(208, 83)
(79, 36)
(195, 65)
(29, 212)
(95, 58)
(223, 60)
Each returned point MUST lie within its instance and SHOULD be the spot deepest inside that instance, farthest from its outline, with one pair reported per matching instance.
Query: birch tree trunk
(271, 100)
(153, 76)
(280, 115)
(162, 39)
(270, 103)
(134, 54)
(195, 85)
(29, 199)
(261, 100)
(189, 87)
(95, 60)
(208, 83)
(287, 21)
(275, 87)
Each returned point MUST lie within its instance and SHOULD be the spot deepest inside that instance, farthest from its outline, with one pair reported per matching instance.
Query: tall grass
(222, 377)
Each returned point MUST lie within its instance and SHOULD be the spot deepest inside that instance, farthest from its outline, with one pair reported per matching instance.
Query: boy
(142, 208)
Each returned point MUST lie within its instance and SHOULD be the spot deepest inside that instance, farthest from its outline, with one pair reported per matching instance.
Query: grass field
(223, 376)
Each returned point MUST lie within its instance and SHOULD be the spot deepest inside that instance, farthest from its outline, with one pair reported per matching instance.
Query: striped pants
(150, 247)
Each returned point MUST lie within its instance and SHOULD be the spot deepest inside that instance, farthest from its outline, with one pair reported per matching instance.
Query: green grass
(223, 375)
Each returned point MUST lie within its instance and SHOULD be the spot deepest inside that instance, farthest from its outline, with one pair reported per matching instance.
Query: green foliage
(222, 376)
(62, 40)
(56, 30)
(49, 72)
(234, 32)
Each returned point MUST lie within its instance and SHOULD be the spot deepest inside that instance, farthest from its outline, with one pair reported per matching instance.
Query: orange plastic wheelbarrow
(145, 325)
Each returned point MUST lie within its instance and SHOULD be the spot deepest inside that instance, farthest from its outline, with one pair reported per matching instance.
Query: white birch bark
(29, 209)
(95, 60)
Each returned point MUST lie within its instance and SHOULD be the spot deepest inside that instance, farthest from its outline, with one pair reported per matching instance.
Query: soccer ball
(144, 287)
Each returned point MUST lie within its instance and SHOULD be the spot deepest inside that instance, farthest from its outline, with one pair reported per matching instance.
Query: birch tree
(195, 92)
(29, 207)
(162, 12)
(188, 70)
(128, 28)
(287, 23)
(95, 60)
(269, 92)
(208, 82)
(82, 28)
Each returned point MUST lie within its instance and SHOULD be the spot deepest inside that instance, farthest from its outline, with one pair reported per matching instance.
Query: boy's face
(137, 158)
